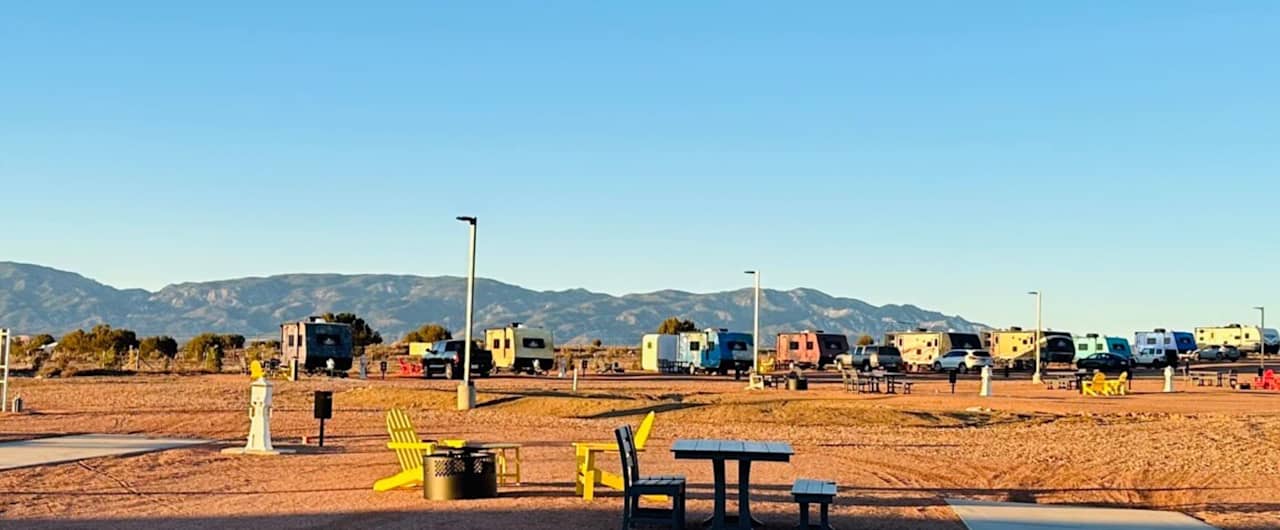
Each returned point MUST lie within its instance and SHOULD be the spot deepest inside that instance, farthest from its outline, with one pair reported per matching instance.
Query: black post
(382, 365)
(951, 376)
(323, 409)
(1006, 371)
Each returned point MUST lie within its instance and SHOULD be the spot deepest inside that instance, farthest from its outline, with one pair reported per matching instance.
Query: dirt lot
(1208, 452)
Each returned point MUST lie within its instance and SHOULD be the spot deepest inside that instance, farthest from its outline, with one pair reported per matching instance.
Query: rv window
(737, 345)
(534, 343)
(1015, 349)
(290, 341)
(1083, 347)
(497, 343)
(506, 343)
(793, 345)
(833, 345)
(648, 345)
(695, 345)
(1152, 340)
(808, 345)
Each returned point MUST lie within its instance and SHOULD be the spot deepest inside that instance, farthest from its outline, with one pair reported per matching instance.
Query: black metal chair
(636, 486)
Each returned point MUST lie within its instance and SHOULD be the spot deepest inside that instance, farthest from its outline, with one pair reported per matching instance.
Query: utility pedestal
(259, 442)
(986, 382)
(1168, 379)
(466, 395)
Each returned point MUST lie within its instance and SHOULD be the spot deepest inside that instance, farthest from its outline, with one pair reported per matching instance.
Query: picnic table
(744, 452)
(1204, 376)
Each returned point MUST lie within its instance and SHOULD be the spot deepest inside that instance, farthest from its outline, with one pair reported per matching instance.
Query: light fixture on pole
(755, 330)
(466, 391)
(1262, 339)
(1036, 377)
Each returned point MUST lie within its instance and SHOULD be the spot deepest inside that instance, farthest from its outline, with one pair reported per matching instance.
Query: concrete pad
(980, 515)
(61, 449)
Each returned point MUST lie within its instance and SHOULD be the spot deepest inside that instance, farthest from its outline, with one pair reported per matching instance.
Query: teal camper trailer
(1095, 343)
(715, 351)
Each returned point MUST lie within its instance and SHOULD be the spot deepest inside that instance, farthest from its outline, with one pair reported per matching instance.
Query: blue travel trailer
(714, 350)
(1094, 343)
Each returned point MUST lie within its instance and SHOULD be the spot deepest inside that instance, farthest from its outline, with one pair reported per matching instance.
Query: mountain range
(37, 299)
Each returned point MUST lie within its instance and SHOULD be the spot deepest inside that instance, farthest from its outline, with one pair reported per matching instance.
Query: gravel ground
(1207, 452)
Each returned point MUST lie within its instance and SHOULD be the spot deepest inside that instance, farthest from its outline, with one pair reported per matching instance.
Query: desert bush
(428, 333)
(674, 325)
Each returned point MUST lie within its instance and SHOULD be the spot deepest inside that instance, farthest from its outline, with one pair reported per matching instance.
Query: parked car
(445, 357)
(868, 357)
(1155, 357)
(963, 360)
(1219, 353)
(1105, 362)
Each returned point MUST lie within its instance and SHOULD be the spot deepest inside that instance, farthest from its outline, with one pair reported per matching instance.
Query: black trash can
(797, 383)
(453, 475)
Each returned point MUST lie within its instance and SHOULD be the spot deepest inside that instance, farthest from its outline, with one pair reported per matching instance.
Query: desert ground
(1208, 452)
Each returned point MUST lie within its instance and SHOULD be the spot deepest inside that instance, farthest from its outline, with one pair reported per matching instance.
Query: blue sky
(1122, 157)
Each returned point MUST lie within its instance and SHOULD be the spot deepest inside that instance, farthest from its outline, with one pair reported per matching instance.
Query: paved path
(62, 449)
(978, 515)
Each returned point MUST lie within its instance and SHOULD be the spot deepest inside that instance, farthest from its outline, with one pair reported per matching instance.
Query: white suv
(962, 360)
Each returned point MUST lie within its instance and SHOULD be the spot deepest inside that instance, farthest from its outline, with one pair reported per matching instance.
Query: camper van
(1246, 338)
(658, 352)
(810, 349)
(921, 348)
(314, 342)
(520, 348)
(1161, 347)
(1094, 343)
(715, 350)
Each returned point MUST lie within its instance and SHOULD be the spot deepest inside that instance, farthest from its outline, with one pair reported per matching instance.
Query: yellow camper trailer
(1246, 338)
(1012, 346)
(920, 348)
(520, 348)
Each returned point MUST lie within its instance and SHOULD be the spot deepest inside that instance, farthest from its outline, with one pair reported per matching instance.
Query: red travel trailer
(810, 349)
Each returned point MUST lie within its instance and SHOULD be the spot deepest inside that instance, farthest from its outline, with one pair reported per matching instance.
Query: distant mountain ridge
(37, 299)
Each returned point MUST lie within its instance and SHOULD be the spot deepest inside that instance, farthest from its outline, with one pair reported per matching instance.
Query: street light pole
(467, 392)
(1036, 378)
(1262, 339)
(755, 330)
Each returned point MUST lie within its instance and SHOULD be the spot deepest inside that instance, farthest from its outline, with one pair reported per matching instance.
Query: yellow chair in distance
(586, 454)
(1119, 387)
(409, 451)
(1096, 387)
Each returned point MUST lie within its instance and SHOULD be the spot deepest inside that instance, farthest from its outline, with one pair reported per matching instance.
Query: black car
(1106, 362)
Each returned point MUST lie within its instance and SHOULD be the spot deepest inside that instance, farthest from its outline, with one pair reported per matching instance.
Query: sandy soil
(1208, 452)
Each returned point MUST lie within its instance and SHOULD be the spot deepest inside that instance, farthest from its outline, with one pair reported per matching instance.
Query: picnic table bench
(808, 491)
(1207, 378)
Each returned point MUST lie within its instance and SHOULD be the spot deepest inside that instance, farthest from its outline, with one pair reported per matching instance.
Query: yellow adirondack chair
(587, 455)
(1119, 387)
(409, 451)
(1097, 387)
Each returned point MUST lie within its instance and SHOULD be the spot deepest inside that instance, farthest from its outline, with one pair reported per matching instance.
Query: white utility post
(467, 392)
(1036, 377)
(4, 358)
(755, 329)
(1262, 339)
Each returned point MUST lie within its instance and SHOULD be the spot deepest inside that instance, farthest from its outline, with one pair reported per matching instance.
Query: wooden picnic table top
(732, 450)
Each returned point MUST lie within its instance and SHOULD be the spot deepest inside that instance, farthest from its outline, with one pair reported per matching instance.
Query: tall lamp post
(467, 392)
(1036, 378)
(755, 330)
(1262, 339)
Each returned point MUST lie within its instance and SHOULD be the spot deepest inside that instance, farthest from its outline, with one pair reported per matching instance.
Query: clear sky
(1121, 156)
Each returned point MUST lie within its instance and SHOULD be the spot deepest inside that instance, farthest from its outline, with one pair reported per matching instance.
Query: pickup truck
(868, 357)
(445, 357)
